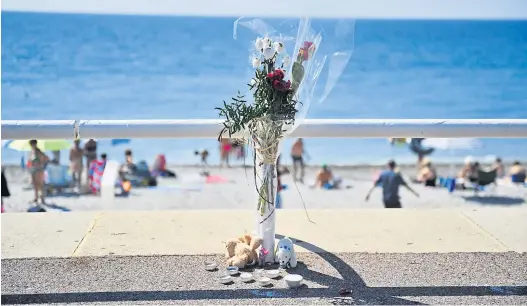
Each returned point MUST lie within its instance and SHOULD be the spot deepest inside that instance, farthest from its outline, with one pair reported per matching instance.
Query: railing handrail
(308, 128)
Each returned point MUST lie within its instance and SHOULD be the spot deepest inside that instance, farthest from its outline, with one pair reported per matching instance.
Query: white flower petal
(278, 47)
(259, 44)
(256, 62)
(268, 53)
(266, 42)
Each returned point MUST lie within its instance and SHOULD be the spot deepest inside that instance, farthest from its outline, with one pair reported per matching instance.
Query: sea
(80, 66)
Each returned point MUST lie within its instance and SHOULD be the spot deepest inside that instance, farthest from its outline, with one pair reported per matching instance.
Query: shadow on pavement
(349, 279)
(495, 200)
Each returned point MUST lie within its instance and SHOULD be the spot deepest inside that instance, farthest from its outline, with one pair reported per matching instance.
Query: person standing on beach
(391, 180)
(225, 151)
(297, 154)
(90, 151)
(76, 155)
(38, 161)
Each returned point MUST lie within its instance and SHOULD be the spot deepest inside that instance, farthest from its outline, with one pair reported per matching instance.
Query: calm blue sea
(58, 66)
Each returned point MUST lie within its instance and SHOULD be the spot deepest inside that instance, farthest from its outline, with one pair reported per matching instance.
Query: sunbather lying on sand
(326, 179)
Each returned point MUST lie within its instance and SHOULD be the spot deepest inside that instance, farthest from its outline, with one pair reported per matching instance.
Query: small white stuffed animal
(285, 253)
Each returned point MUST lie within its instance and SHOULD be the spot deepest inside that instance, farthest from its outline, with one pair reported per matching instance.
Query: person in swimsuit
(76, 156)
(297, 153)
(38, 163)
(500, 168)
(324, 177)
(428, 174)
(517, 172)
(90, 151)
(225, 151)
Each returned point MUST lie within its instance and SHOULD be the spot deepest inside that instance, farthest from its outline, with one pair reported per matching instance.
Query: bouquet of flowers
(282, 87)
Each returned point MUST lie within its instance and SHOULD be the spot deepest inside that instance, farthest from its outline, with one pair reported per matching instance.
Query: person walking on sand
(76, 155)
(297, 154)
(390, 180)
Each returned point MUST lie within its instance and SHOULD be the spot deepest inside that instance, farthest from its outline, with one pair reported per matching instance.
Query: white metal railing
(205, 128)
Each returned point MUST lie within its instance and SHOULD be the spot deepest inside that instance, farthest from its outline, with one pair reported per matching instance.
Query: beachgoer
(517, 172)
(5, 190)
(56, 157)
(225, 151)
(129, 165)
(160, 166)
(38, 163)
(238, 149)
(76, 156)
(390, 181)
(500, 169)
(297, 154)
(469, 170)
(428, 174)
(204, 154)
(104, 158)
(90, 151)
(324, 177)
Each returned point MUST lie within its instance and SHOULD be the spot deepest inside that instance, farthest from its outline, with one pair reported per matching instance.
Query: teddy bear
(242, 251)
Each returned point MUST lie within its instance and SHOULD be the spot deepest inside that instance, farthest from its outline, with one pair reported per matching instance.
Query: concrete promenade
(74, 234)
(443, 256)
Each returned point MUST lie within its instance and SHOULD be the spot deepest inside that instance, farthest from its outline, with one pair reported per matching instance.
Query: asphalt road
(454, 278)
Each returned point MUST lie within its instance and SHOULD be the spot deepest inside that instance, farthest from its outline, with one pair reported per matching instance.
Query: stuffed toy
(285, 253)
(242, 251)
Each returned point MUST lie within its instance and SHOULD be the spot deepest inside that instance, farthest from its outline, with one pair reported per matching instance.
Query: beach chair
(485, 179)
(57, 178)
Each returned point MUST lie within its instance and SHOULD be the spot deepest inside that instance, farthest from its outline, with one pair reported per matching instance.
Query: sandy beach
(190, 191)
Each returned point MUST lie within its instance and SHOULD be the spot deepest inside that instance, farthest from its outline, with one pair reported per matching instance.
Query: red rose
(276, 84)
(287, 85)
(270, 75)
(279, 74)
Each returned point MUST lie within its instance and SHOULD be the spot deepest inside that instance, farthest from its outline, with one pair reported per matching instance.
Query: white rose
(259, 44)
(268, 53)
(286, 61)
(266, 42)
(256, 62)
(278, 47)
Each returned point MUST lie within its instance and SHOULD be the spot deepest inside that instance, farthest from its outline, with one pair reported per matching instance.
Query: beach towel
(212, 179)
(96, 171)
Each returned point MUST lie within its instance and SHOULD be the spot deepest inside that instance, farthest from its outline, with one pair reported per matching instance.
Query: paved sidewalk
(374, 279)
(74, 234)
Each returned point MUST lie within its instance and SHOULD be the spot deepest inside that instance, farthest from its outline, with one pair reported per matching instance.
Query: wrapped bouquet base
(266, 135)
